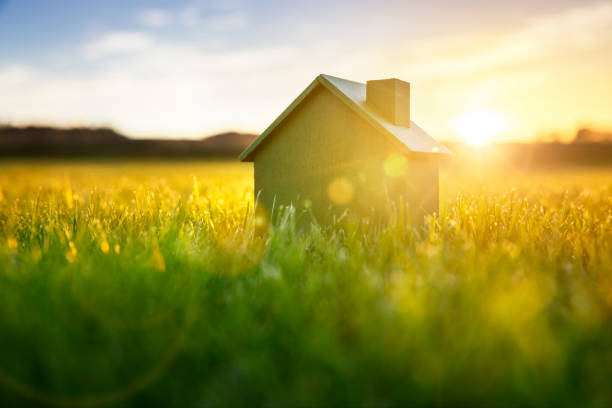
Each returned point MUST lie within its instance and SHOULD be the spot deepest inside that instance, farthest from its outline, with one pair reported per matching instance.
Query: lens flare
(340, 191)
(395, 165)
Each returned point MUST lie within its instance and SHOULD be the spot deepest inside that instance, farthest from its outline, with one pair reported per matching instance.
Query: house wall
(327, 158)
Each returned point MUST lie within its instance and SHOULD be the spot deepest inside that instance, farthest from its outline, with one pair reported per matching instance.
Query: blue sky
(191, 68)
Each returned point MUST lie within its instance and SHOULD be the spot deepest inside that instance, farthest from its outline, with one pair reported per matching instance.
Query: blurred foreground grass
(145, 284)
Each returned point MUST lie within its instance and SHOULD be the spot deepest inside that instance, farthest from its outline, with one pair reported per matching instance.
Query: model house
(347, 145)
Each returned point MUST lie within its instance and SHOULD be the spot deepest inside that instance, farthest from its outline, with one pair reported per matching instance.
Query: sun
(480, 126)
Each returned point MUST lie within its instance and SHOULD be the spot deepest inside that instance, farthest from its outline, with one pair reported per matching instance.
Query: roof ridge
(342, 79)
(412, 138)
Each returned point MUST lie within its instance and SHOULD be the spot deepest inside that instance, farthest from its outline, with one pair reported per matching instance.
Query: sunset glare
(480, 127)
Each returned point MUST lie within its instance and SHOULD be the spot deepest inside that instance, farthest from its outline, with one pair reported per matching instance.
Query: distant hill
(49, 141)
(230, 141)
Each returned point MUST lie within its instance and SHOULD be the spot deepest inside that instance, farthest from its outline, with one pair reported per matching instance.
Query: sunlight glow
(479, 127)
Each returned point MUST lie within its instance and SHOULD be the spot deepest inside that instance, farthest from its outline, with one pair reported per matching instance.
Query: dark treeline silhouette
(588, 147)
(585, 135)
(528, 155)
(88, 142)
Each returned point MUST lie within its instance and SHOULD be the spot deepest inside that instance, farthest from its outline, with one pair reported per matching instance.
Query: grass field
(147, 284)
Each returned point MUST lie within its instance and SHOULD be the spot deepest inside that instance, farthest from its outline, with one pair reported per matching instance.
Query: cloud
(155, 18)
(572, 31)
(15, 75)
(222, 22)
(118, 42)
(173, 90)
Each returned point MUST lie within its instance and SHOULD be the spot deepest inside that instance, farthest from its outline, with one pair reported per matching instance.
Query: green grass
(146, 284)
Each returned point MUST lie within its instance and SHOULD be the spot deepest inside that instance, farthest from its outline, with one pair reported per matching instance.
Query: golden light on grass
(36, 253)
(260, 221)
(340, 191)
(480, 126)
(71, 254)
(68, 197)
(195, 195)
(395, 165)
(12, 243)
(214, 253)
(158, 259)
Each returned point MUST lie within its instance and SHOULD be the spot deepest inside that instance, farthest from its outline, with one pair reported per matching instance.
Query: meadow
(156, 284)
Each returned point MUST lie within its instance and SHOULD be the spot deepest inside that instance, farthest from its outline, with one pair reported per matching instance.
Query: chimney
(390, 98)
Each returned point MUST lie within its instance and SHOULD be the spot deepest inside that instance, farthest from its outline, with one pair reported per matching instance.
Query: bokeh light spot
(395, 165)
(340, 191)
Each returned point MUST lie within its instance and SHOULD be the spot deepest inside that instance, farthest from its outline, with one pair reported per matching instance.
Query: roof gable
(353, 94)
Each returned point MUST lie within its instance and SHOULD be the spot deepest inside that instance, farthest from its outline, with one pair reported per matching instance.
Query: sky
(480, 70)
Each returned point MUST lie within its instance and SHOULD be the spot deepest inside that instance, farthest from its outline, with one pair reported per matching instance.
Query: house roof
(353, 94)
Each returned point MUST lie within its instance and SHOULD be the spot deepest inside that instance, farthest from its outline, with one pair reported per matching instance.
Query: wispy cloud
(170, 90)
(569, 32)
(117, 42)
(219, 21)
(155, 18)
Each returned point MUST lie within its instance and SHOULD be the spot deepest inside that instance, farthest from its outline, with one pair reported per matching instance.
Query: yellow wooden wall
(325, 157)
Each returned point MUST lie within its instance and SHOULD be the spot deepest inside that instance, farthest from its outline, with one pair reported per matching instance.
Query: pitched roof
(354, 95)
